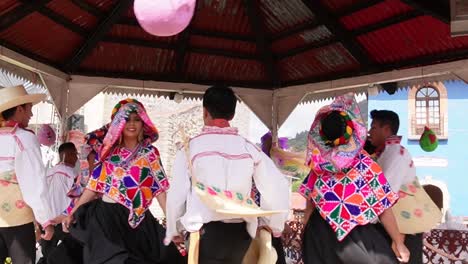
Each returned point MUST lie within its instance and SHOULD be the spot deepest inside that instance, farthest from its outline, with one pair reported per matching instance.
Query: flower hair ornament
(339, 153)
(348, 131)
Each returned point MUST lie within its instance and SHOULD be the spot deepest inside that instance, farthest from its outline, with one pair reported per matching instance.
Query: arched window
(427, 109)
(428, 106)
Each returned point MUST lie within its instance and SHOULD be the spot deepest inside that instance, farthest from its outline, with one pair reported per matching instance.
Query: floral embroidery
(4, 183)
(136, 184)
(131, 178)
(20, 204)
(350, 197)
(6, 207)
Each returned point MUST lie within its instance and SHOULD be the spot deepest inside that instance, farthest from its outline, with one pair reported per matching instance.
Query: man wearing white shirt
(223, 158)
(23, 191)
(397, 165)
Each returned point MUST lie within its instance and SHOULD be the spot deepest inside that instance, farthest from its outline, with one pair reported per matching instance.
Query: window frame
(415, 128)
(426, 100)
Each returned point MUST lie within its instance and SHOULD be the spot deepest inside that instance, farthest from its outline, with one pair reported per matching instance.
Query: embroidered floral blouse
(131, 178)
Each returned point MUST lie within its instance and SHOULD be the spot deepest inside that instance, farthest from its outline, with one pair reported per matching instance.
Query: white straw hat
(17, 95)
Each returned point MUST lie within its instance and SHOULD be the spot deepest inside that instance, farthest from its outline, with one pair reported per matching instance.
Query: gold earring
(120, 140)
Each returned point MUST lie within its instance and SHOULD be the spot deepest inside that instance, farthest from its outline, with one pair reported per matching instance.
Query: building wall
(449, 162)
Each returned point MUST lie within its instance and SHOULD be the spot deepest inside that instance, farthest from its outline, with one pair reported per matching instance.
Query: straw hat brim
(261, 250)
(25, 99)
(243, 211)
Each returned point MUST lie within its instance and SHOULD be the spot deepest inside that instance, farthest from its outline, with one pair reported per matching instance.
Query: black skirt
(414, 243)
(364, 245)
(103, 230)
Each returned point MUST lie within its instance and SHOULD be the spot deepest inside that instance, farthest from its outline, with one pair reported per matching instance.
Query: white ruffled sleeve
(31, 176)
(274, 190)
(177, 195)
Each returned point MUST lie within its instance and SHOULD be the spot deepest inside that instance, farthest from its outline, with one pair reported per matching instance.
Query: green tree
(299, 142)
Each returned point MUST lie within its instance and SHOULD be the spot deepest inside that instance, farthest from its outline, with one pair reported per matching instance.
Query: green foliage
(299, 142)
(296, 184)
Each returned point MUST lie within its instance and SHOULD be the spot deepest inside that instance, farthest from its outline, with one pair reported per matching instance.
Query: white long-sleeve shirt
(222, 158)
(60, 180)
(20, 152)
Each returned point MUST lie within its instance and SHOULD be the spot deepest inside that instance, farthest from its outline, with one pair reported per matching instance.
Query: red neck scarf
(12, 123)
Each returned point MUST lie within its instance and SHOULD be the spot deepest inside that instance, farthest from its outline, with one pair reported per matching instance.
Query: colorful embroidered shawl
(75, 192)
(131, 178)
(350, 197)
(93, 140)
(346, 185)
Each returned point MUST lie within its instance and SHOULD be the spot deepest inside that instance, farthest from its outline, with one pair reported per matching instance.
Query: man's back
(224, 159)
(397, 163)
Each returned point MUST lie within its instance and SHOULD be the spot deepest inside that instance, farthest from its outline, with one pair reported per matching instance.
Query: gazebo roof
(244, 43)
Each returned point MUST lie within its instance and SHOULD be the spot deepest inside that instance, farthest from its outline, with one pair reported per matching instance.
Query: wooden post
(274, 120)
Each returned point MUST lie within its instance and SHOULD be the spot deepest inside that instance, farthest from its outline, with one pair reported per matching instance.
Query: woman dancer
(118, 227)
(346, 192)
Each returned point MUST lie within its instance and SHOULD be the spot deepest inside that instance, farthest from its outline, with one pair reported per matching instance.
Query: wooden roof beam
(139, 42)
(311, 46)
(169, 46)
(387, 22)
(263, 46)
(209, 34)
(345, 37)
(357, 32)
(101, 30)
(423, 61)
(428, 59)
(119, 76)
(20, 12)
(296, 30)
(181, 52)
(437, 9)
(222, 35)
(83, 5)
(224, 53)
(40, 7)
(28, 54)
(315, 23)
(351, 9)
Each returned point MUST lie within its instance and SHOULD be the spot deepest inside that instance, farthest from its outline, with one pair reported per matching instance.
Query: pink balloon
(46, 135)
(164, 17)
